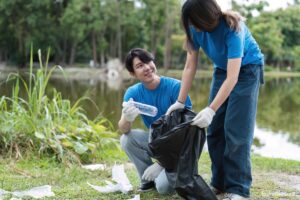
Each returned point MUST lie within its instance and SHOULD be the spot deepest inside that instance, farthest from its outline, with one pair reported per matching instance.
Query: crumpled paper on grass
(94, 167)
(36, 192)
(122, 182)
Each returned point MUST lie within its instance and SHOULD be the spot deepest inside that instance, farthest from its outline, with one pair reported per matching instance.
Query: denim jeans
(135, 144)
(230, 135)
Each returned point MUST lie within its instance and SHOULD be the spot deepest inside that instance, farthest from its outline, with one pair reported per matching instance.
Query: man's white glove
(152, 172)
(129, 111)
(177, 105)
(204, 117)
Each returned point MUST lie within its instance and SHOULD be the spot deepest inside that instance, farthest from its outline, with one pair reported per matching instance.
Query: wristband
(180, 102)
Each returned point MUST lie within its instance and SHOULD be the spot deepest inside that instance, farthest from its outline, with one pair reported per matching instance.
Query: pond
(277, 131)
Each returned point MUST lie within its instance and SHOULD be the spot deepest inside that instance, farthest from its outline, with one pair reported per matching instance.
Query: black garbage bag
(177, 146)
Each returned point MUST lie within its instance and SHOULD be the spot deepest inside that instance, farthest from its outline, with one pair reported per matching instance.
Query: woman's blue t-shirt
(224, 43)
(162, 97)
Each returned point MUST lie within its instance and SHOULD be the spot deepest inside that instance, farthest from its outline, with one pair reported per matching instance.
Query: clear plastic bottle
(144, 109)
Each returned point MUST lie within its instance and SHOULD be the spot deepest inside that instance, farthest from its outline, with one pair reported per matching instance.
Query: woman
(238, 73)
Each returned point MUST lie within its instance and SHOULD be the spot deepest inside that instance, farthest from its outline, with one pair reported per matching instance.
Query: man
(153, 90)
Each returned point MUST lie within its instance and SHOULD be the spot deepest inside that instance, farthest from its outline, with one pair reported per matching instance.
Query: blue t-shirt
(162, 97)
(224, 43)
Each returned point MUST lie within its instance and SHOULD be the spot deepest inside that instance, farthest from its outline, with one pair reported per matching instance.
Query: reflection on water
(278, 108)
(275, 145)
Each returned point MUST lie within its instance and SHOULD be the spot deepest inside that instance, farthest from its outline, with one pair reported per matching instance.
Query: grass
(49, 125)
(70, 182)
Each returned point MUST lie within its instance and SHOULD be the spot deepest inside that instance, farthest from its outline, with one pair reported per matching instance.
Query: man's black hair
(142, 54)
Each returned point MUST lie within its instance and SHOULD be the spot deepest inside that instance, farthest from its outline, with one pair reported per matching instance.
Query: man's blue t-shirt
(224, 43)
(162, 97)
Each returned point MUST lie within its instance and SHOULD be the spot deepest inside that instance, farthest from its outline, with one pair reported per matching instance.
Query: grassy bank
(208, 73)
(273, 178)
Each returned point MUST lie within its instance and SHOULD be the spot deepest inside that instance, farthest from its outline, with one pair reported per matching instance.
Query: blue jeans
(230, 135)
(135, 144)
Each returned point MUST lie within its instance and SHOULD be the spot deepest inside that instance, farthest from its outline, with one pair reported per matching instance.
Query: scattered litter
(136, 197)
(122, 182)
(3, 193)
(94, 167)
(36, 192)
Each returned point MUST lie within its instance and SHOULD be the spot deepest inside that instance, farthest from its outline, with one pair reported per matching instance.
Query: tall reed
(38, 124)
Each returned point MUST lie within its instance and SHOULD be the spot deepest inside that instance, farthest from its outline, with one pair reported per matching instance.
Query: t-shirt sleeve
(129, 94)
(235, 44)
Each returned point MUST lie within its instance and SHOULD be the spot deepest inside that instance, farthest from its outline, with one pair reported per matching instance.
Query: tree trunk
(119, 31)
(64, 51)
(94, 44)
(168, 40)
(72, 54)
(153, 37)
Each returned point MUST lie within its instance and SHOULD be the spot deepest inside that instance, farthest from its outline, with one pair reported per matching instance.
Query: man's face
(145, 72)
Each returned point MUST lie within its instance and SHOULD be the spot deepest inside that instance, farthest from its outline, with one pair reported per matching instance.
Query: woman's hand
(204, 118)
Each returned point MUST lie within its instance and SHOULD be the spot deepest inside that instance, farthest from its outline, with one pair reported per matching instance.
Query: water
(277, 132)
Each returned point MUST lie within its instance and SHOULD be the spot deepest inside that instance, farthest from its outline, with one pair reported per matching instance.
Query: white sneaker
(219, 194)
(231, 196)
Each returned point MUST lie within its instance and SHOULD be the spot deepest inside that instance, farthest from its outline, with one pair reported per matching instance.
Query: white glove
(152, 172)
(177, 105)
(204, 117)
(129, 111)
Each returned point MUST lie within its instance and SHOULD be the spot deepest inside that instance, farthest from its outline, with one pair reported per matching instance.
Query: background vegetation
(80, 31)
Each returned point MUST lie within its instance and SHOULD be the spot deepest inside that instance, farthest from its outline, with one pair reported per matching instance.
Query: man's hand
(152, 172)
(129, 112)
(204, 118)
(177, 105)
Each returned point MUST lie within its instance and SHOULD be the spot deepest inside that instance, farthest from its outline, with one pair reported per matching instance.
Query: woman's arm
(233, 70)
(188, 75)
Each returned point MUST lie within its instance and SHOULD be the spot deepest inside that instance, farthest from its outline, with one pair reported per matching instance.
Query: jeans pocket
(249, 72)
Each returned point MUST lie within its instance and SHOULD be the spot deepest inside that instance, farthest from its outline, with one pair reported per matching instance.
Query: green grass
(70, 181)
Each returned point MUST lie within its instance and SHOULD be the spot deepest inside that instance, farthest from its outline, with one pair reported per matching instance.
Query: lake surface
(277, 132)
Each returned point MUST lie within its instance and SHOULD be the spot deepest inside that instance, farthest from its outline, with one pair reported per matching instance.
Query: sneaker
(231, 196)
(215, 190)
(219, 194)
(147, 186)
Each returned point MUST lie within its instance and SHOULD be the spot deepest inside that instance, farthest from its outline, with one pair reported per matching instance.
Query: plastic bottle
(144, 109)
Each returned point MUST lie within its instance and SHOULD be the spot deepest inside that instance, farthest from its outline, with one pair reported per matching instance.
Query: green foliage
(79, 31)
(50, 126)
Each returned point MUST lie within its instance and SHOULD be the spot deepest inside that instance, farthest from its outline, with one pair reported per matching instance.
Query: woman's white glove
(129, 111)
(152, 172)
(177, 105)
(204, 118)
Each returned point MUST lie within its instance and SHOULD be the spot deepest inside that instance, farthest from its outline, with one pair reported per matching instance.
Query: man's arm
(124, 125)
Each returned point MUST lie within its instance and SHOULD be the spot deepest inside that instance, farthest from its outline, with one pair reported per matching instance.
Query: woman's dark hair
(205, 15)
(142, 54)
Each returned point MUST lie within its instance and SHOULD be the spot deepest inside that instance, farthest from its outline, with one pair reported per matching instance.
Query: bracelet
(180, 102)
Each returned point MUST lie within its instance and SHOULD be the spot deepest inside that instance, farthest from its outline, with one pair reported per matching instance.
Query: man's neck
(153, 84)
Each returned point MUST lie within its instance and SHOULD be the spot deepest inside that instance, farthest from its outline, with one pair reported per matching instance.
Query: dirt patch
(289, 181)
(274, 185)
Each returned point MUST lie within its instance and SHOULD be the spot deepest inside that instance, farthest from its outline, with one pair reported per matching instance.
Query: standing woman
(238, 73)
